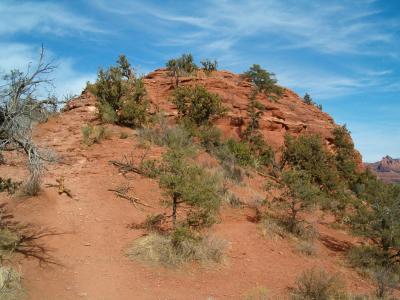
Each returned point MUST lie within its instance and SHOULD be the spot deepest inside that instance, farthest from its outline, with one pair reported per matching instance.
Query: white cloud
(42, 17)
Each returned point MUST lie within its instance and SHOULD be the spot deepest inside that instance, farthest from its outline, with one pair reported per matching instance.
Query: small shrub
(196, 104)
(316, 284)
(180, 246)
(271, 228)
(175, 137)
(150, 168)
(367, 258)
(210, 137)
(10, 284)
(258, 293)
(233, 200)
(386, 280)
(299, 194)
(121, 96)
(229, 163)
(123, 135)
(107, 113)
(307, 99)
(133, 107)
(9, 185)
(241, 151)
(186, 183)
(152, 223)
(307, 248)
(93, 134)
(182, 66)
(209, 66)
(32, 185)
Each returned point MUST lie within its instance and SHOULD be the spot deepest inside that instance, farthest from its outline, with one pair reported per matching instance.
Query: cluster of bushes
(312, 176)
(121, 95)
(185, 66)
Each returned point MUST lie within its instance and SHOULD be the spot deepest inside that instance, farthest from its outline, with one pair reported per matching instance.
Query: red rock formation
(288, 115)
(387, 169)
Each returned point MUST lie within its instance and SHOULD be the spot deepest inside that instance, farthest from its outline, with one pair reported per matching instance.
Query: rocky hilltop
(387, 169)
(95, 226)
(288, 115)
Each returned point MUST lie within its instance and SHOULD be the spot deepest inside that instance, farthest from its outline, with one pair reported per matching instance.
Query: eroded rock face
(289, 114)
(387, 169)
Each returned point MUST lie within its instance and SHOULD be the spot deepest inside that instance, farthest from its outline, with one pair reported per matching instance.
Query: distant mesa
(387, 169)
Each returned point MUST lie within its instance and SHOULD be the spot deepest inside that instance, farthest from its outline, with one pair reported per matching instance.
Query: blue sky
(346, 54)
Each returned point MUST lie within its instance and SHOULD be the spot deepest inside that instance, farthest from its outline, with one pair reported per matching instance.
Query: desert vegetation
(181, 66)
(309, 101)
(185, 185)
(310, 173)
(264, 82)
(121, 95)
(209, 66)
(196, 104)
(21, 107)
(92, 134)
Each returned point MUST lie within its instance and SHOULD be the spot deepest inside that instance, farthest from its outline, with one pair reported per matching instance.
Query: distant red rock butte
(387, 169)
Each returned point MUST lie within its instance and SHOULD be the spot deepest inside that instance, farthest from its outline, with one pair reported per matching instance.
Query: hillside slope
(93, 226)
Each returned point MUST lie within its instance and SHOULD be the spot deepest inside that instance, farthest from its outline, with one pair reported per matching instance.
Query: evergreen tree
(264, 81)
(188, 184)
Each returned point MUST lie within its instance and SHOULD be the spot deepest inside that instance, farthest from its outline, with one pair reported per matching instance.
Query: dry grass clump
(273, 227)
(258, 293)
(10, 284)
(306, 248)
(176, 248)
(94, 134)
(317, 284)
(270, 228)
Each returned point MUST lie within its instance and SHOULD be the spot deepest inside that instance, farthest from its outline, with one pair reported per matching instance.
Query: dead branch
(126, 167)
(20, 109)
(61, 187)
(132, 199)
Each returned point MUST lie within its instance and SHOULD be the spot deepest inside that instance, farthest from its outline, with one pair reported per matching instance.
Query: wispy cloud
(42, 17)
(221, 29)
(330, 27)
